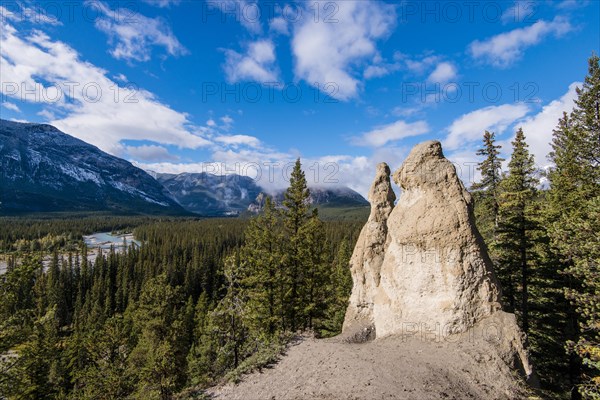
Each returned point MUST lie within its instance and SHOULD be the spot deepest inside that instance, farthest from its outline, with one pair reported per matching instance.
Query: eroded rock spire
(421, 266)
(368, 256)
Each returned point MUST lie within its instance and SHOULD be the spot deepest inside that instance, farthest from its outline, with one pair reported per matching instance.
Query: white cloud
(405, 111)
(520, 11)
(31, 61)
(227, 120)
(121, 78)
(417, 65)
(162, 3)
(279, 25)
(47, 114)
(11, 106)
(36, 14)
(211, 123)
(538, 128)
(133, 35)
(381, 135)
(470, 127)
(504, 49)
(571, 4)
(376, 71)
(237, 140)
(443, 73)
(150, 153)
(332, 52)
(257, 64)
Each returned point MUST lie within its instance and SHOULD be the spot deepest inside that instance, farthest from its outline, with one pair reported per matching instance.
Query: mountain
(208, 194)
(335, 196)
(44, 169)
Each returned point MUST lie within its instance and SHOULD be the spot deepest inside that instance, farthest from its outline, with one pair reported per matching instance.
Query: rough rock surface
(435, 270)
(421, 266)
(367, 258)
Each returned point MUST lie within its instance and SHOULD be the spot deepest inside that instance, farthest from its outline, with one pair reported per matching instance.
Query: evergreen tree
(487, 199)
(158, 359)
(227, 320)
(490, 169)
(295, 216)
(203, 353)
(572, 216)
(263, 280)
(33, 376)
(516, 222)
(339, 289)
(106, 352)
(317, 273)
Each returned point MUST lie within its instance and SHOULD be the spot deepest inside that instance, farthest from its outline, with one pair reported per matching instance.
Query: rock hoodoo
(421, 265)
(368, 256)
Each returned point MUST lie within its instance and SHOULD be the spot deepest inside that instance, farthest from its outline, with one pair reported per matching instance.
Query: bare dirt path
(388, 368)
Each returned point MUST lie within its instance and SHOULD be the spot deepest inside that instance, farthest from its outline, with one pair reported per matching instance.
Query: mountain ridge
(46, 170)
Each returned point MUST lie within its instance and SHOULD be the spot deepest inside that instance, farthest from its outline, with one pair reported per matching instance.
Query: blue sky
(246, 87)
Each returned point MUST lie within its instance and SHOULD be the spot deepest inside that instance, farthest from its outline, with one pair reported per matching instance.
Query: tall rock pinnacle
(435, 269)
(368, 254)
(422, 266)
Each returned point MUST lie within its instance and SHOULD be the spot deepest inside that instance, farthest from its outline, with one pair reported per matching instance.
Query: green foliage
(546, 247)
(515, 223)
(572, 220)
(491, 166)
(103, 356)
(158, 360)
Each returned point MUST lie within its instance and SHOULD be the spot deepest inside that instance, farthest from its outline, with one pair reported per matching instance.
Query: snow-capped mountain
(208, 194)
(44, 169)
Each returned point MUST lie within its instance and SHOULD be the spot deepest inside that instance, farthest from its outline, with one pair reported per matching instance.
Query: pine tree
(295, 216)
(32, 377)
(227, 320)
(203, 353)
(572, 217)
(515, 222)
(263, 280)
(490, 171)
(106, 352)
(317, 271)
(158, 359)
(339, 289)
(487, 192)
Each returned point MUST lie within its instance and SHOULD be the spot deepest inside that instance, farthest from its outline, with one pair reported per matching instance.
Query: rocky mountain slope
(424, 319)
(208, 194)
(44, 169)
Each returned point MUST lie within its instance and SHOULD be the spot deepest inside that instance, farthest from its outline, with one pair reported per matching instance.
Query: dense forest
(201, 301)
(198, 300)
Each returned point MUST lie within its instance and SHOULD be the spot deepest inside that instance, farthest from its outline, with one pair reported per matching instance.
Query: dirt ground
(395, 367)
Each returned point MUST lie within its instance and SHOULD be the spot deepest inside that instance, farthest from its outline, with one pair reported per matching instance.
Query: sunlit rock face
(420, 266)
(368, 255)
(435, 271)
